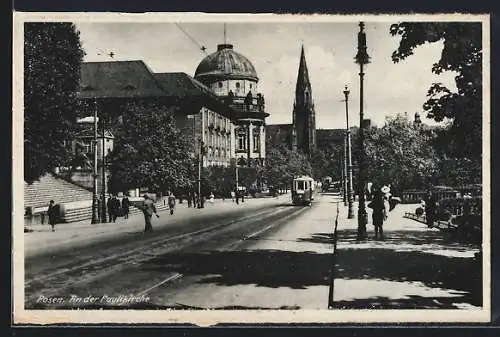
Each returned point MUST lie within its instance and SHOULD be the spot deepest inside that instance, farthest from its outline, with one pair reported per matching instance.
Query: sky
(274, 50)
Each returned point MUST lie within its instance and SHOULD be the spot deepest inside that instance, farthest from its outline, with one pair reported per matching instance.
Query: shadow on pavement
(386, 261)
(433, 258)
(265, 268)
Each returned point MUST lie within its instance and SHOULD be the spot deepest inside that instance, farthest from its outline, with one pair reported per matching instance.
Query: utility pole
(350, 212)
(361, 58)
(95, 203)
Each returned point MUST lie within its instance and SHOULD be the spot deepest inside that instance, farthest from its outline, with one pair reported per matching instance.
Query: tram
(302, 190)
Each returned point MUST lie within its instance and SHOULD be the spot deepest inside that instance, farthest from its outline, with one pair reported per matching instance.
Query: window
(237, 85)
(242, 141)
(251, 86)
(300, 185)
(256, 140)
(220, 84)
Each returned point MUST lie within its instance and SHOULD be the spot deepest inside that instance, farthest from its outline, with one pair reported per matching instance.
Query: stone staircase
(76, 200)
(50, 187)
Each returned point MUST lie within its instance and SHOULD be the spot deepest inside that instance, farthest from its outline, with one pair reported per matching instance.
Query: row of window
(241, 142)
(217, 121)
(218, 153)
(217, 140)
(238, 85)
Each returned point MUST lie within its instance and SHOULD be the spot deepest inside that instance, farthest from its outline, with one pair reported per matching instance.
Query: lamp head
(362, 56)
(346, 91)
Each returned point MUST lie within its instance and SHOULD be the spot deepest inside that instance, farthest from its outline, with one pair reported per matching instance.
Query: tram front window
(300, 185)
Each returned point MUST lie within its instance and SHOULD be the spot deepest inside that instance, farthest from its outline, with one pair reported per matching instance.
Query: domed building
(232, 77)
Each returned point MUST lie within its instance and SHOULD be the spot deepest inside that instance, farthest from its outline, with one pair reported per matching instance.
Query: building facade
(232, 77)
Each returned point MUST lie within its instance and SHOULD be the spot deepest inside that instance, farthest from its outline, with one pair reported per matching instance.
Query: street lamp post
(236, 173)
(361, 58)
(350, 213)
(95, 203)
(344, 173)
(200, 166)
(103, 174)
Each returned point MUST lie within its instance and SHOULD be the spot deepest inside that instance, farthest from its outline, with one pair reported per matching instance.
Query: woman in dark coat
(379, 214)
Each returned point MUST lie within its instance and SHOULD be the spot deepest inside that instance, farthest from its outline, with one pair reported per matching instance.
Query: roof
(225, 63)
(117, 79)
(328, 134)
(182, 85)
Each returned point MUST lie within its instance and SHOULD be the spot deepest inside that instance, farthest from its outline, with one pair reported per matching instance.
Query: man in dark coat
(171, 202)
(53, 213)
(148, 208)
(113, 208)
(125, 206)
(430, 208)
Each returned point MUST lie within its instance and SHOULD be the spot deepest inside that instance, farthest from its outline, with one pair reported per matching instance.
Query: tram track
(75, 274)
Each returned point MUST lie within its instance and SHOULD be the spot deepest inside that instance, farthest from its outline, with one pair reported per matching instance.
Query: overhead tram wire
(200, 47)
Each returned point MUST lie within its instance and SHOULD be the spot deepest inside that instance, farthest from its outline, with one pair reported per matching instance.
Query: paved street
(264, 253)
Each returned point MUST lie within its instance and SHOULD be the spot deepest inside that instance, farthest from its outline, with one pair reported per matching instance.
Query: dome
(225, 63)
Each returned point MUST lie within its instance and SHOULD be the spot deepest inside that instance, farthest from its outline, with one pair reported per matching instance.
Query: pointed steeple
(304, 117)
(303, 75)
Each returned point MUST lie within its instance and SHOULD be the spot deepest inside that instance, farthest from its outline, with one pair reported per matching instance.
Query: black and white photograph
(210, 168)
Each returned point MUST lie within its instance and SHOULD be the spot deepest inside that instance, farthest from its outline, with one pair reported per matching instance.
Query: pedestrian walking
(212, 198)
(430, 208)
(379, 214)
(148, 208)
(113, 208)
(125, 206)
(53, 213)
(171, 202)
(233, 195)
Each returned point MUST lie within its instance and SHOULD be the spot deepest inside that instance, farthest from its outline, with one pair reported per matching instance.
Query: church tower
(304, 118)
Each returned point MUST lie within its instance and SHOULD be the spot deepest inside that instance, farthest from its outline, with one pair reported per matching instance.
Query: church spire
(304, 117)
(303, 75)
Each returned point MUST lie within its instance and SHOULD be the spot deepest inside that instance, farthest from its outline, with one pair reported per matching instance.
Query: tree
(150, 151)
(52, 60)
(327, 161)
(400, 154)
(462, 53)
(283, 164)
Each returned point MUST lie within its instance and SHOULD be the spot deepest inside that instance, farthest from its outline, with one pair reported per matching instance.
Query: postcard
(251, 168)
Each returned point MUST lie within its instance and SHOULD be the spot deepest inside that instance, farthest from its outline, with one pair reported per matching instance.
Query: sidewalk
(414, 267)
(84, 233)
(289, 266)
